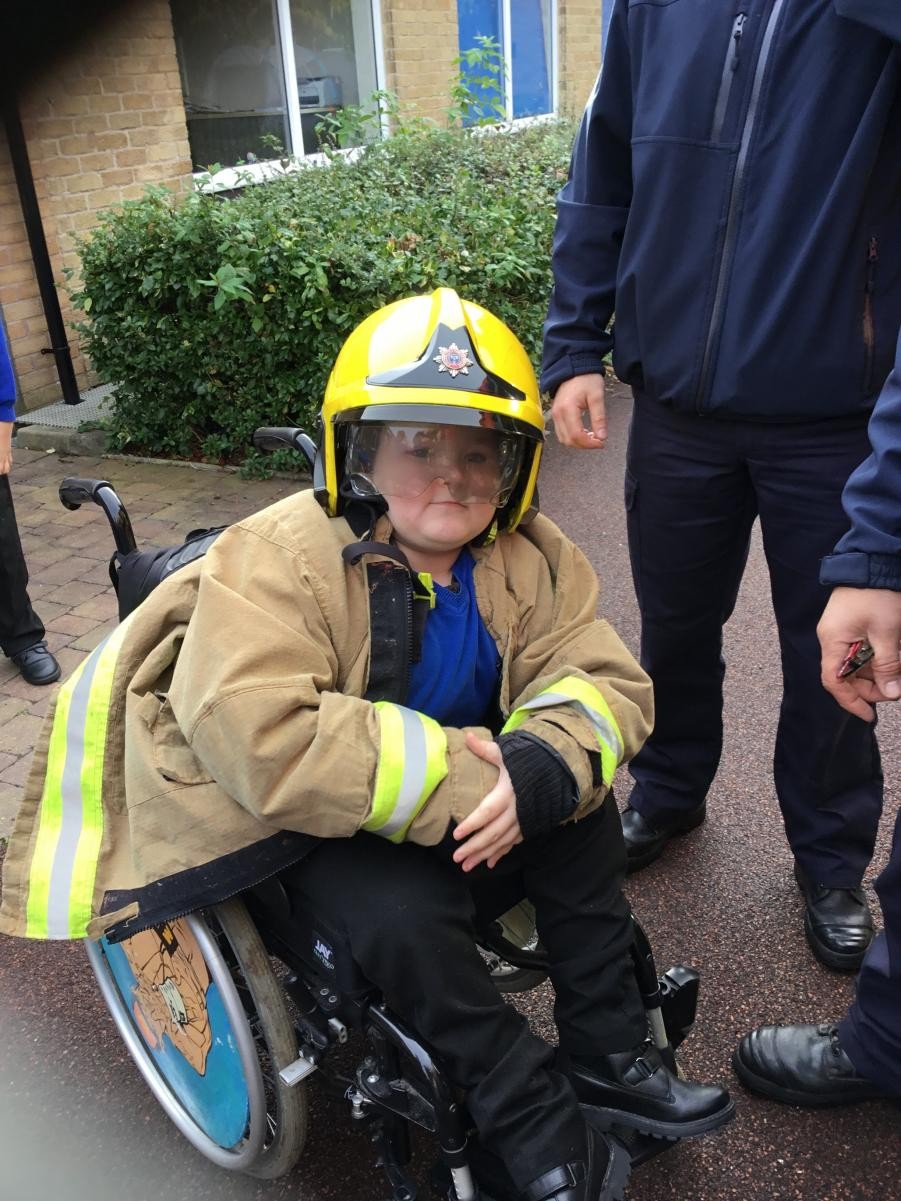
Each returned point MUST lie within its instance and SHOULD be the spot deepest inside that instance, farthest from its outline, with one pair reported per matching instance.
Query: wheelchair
(231, 1013)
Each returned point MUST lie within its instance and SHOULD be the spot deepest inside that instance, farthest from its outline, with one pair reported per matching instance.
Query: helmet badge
(454, 360)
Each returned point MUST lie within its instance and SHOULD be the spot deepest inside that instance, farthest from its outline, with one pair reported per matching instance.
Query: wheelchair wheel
(517, 927)
(201, 1013)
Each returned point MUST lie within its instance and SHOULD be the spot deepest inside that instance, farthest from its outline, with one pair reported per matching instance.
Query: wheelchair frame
(397, 1083)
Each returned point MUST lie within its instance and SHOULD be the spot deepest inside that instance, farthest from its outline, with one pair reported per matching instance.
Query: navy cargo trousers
(694, 486)
(871, 1033)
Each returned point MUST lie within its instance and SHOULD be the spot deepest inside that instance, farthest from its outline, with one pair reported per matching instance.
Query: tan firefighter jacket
(223, 724)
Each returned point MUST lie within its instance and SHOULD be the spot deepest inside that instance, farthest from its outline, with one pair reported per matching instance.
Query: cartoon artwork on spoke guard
(177, 1009)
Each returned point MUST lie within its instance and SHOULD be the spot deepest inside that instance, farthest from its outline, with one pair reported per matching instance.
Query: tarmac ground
(77, 1121)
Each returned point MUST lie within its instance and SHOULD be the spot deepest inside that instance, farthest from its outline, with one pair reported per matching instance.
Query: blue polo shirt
(455, 680)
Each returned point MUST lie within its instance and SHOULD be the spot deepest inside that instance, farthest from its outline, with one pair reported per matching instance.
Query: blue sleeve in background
(7, 382)
(592, 211)
(869, 555)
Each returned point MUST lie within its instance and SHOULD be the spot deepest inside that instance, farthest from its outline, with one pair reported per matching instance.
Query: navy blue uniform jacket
(735, 196)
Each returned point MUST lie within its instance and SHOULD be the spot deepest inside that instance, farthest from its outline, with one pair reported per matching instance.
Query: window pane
(334, 53)
(530, 34)
(232, 79)
(480, 18)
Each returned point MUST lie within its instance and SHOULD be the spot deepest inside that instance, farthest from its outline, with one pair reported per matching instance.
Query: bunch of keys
(859, 652)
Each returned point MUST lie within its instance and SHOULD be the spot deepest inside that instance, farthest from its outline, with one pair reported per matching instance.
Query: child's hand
(494, 825)
(6, 447)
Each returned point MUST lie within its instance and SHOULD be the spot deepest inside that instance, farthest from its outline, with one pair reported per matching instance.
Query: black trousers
(871, 1033)
(694, 486)
(20, 626)
(408, 914)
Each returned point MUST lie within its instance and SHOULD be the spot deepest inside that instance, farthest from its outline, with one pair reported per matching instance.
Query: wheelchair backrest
(137, 573)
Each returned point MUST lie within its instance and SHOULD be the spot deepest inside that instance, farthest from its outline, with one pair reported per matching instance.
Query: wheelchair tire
(268, 1127)
(516, 926)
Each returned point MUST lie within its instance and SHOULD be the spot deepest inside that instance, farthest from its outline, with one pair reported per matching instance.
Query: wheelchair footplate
(493, 1183)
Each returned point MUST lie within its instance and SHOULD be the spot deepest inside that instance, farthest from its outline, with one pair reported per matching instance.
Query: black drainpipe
(59, 347)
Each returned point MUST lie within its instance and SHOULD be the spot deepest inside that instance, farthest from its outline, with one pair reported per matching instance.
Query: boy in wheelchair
(406, 665)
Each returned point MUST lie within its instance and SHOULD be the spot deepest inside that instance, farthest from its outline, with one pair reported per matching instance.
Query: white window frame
(230, 178)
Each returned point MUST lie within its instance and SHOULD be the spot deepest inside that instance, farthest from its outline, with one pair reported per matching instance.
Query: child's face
(439, 485)
(434, 522)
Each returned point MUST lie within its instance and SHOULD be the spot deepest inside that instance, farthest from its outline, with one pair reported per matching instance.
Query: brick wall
(579, 52)
(100, 123)
(420, 42)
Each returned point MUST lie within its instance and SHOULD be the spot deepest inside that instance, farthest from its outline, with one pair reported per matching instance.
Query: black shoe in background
(801, 1065)
(837, 922)
(645, 840)
(635, 1089)
(37, 665)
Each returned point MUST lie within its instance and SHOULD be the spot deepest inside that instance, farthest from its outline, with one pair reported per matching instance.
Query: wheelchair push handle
(75, 492)
(285, 437)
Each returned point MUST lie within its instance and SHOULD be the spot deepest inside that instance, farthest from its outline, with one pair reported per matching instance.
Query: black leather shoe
(645, 841)
(37, 665)
(838, 923)
(637, 1090)
(601, 1175)
(801, 1065)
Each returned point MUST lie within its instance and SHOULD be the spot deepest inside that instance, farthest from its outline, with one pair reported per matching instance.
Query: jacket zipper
(869, 330)
(730, 66)
(734, 208)
(409, 663)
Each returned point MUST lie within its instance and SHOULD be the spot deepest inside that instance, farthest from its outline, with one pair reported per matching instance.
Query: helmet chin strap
(361, 513)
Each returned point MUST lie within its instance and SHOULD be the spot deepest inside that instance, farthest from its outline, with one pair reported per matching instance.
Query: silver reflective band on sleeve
(72, 822)
(605, 730)
(413, 778)
(412, 763)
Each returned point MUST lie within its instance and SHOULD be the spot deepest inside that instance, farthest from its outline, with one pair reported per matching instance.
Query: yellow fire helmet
(432, 360)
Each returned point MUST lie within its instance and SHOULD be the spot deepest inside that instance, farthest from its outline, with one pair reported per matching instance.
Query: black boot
(600, 1175)
(646, 840)
(801, 1065)
(837, 922)
(637, 1090)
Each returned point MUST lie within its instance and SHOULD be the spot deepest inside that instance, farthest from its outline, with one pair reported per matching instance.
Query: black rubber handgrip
(74, 492)
(276, 437)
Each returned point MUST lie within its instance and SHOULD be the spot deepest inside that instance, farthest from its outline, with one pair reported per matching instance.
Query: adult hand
(492, 829)
(852, 614)
(6, 447)
(574, 398)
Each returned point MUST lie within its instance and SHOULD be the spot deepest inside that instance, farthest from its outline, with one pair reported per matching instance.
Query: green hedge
(214, 316)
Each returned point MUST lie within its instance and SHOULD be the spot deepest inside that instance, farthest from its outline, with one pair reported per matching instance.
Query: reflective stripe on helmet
(574, 691)
(412, 763)
(70, 829)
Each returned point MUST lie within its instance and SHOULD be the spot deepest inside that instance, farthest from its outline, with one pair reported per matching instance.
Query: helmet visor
(404, 459)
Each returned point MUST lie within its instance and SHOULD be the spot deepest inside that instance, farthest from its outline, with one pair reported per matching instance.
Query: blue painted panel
(531, 45)
(479, 18)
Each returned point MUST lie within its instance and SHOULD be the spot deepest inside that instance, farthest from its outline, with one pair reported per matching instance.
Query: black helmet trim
(449, 361)
(437, 414)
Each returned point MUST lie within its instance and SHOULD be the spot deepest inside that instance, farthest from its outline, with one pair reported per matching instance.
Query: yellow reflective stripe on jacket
(574, 691)
(412, 763)
(70, 829)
